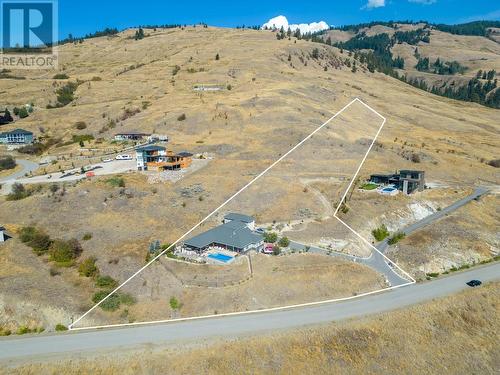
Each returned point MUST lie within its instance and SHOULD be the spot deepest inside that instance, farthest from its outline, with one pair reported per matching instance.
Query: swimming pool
(221, 257)
(388, 189)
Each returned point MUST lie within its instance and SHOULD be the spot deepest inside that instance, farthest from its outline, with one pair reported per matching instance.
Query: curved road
(28, 166)
(376, 261)
(13, 349)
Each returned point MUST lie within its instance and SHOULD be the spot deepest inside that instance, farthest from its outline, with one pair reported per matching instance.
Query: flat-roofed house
(131, 136)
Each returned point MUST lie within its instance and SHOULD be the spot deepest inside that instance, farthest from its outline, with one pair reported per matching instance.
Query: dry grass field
(274, 93)
(458, 335)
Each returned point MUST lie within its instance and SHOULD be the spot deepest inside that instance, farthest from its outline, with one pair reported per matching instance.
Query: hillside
(458, 334)
(271, 94)
(455, 61)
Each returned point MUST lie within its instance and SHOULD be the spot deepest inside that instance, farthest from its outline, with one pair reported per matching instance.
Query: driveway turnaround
(143, 336)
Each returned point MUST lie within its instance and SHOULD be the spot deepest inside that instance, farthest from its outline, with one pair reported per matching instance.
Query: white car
(107, 160)
(123, 157)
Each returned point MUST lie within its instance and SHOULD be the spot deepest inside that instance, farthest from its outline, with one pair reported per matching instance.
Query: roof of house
(410, 171)
(184, 154)
(239, 217)
(151, 148)
(233, 234)
(18, 131)
(132, 133)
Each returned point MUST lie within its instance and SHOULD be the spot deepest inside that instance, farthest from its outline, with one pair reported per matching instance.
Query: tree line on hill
(380, 59)
(478, 28)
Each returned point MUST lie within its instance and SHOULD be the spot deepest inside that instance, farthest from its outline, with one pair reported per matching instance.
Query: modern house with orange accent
(156, 157)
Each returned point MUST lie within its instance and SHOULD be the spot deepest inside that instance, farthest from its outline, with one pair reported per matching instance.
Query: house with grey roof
(235, 234)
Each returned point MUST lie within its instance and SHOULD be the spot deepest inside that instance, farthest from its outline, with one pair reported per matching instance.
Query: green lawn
(369, 186)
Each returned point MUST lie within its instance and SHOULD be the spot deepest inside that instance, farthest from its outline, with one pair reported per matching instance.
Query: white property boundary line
(71, 326)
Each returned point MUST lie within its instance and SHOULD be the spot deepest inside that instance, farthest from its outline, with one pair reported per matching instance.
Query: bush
(116, 181)
(396, 238)
(26, 234)
(87, 236)
(106, 282)
(60, 327)
(32, 149)
(112, 303)
(80, 125)
(22, 330)
(380, 233)
(18, 192)
(127, 299)
(40, 243)
(7, 162)
(88, 268)
(23, 112)
(276, 250)
(284, 242)
(181, 117)
(65, 94)
(270, 237)
(494, 163)
(82, 138)
(60, 76)
(62, 251)
(174, 303)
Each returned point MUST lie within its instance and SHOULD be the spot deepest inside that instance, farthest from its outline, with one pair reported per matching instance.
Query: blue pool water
(221, 257)
(388, 189)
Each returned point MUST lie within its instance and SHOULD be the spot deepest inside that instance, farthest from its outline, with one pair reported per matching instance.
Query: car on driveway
(473, 283)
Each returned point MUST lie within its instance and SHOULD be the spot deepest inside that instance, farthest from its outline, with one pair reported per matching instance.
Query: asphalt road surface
(13, 349)
(28, 166)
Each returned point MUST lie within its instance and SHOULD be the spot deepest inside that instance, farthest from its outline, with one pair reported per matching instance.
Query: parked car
(123, 157)
(107, 160)
(473, 283)
(260, 230)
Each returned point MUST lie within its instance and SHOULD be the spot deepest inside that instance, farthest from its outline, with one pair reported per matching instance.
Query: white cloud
(281, 21)
(374, 4)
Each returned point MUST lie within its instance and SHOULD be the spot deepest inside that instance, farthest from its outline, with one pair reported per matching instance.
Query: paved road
(28, 166)
(376, 261)
(478, 192)
(139, 337)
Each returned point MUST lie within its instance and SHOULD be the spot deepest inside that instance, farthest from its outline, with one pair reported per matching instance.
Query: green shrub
(276, 250)
(174, 303)
(18, 192)
(26, 234)
(82, 138)
(60, 327)
(270, 237)
(284, 242)
(60, 76)
(65, 94)
(396, 238)
(127, 299)
(62, 251)
(88, 268)
(80, 125)
(87, 236)
(40, 243)
(433, 274)
(22, 330)
(106, 282)
(116, 181)
(7, 162)
(181, 117)
(380, 233)
(112, 303)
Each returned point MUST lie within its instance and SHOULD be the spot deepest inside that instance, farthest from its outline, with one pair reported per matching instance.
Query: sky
(81, 17)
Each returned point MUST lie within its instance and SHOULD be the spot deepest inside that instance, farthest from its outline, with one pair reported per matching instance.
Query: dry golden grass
(272, 105)
(455, 335)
